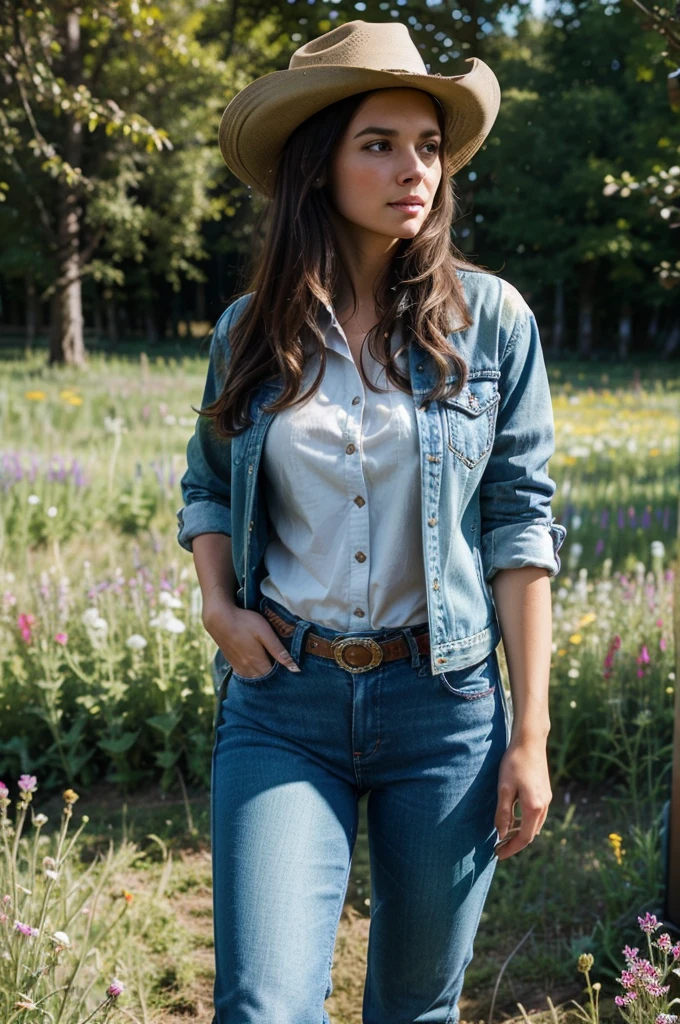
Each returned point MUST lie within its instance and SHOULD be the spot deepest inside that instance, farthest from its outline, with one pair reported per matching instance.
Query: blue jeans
(293, 754)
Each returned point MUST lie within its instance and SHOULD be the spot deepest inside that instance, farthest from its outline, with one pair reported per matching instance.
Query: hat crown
(383, 46)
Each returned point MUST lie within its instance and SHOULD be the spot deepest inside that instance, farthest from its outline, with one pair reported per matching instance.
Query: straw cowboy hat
(351, 58)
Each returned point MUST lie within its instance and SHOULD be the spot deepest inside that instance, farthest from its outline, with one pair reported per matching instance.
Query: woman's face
(391, 149)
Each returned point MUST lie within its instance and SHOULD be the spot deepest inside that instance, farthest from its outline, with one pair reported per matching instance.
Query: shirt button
(356, 400)
(350, 448)
(419, 366)
(432, 521)
(359, 501)
(359, 612)
(360, 556)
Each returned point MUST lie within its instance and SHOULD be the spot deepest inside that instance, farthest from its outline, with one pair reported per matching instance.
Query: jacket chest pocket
(471, 420)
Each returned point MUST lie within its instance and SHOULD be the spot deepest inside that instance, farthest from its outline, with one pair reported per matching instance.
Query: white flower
(62, 938)
(54, 875)
(33, 499)
(170, 420)
(136, 641)
(166, 620)
(115, 425)
(658, 549)
(168, 600)
(52, 511)
(40, 819)
(576, 522)
(572, 703)
(573, 673)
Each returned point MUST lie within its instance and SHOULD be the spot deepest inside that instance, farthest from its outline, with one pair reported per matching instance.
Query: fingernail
(294, 667)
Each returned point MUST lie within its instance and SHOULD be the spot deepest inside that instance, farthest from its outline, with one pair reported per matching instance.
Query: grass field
(105, 686)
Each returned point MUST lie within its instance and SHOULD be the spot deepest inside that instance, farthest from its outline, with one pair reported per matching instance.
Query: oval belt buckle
(338, 646)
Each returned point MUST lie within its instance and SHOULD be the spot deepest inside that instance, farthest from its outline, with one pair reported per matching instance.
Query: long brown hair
(296, 273)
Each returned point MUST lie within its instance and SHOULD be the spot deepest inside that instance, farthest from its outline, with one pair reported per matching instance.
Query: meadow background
(109, 144)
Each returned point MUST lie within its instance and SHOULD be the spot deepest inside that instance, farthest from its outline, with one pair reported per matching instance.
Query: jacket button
(435, 585)
(350, 449)
(359, 501)
(360, 556)
(432, 521)
(419, 366)
(359, 612)
(356, 400)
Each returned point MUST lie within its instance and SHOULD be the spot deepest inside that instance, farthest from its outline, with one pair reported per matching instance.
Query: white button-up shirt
(343, 493)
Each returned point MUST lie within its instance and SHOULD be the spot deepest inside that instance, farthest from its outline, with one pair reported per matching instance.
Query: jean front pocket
(471, 418)
(471, 683)
(257, 680)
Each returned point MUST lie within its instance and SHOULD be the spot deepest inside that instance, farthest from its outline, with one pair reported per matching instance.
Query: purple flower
(630, 953)
(648, 923)
(25, 929)
(115, 988)
(27, 783)
(4, 792)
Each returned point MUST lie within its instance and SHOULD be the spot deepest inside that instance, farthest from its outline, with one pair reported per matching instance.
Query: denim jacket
(486, 492)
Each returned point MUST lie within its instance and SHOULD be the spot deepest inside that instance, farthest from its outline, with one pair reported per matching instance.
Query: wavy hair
(296, 272)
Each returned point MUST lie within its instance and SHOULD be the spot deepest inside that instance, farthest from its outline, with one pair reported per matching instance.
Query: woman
(345, 531)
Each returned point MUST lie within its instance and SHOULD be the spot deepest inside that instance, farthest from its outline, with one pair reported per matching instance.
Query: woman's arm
(524, 608)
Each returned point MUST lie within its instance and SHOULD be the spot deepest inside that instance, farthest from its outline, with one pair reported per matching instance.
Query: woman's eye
(384, 142)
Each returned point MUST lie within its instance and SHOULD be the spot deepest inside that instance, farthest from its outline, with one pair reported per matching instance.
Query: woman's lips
(407, 207)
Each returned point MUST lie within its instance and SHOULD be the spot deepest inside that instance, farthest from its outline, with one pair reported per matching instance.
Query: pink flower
(61, 638)
(630, 953)
(27, 783)
(24, 622)
(25, 929)
(644, 654)
(659, 623)
(4, 792)
(648, 923)
(115, 988)
(662, 647)
(664, 942)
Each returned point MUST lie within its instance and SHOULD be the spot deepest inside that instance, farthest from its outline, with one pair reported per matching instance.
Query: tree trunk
(585, 315)
(31, 311)
(67, 344)
(558, 318)
(672, 342)
(625, 329)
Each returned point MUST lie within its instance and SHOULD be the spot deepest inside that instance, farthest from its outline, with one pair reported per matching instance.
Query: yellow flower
(69, 796)
(585, 962)
(587, 618)
(562, 651)
(74, 400)
(575, 638)
(654, 452)
(616, 840)
(35, 396)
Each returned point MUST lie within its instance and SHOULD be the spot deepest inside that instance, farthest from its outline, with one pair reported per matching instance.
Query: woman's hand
(245, 637)
(523, 776)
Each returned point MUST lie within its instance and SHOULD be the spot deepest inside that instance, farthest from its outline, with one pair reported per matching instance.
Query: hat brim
(259, 119)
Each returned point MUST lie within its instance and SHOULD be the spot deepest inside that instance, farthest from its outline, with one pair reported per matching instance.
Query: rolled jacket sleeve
(206, 484)
(518, 527)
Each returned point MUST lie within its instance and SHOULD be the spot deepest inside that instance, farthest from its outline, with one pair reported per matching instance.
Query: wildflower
(127, 896)
(40, 819)
(25, 929)
(62, 938)
(167, 621)
(27, 783)
(35, 396)
(70, 796)
(664, 942)
(33, 499)
(575, 638)
(665, 1018)
(655, 989)
(54, 875)
(624, 1000)
(52, 511)
(49, 862)
(4, 792)
(168, 601)
(26, 1004)
(648, 923)
(136, 641)
(24, 622)
(616, 840)
(61, 638)
(115, 989)
(585, 962)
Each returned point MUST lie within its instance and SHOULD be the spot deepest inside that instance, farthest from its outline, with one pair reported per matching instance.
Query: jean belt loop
(297, 643)
(412, 646)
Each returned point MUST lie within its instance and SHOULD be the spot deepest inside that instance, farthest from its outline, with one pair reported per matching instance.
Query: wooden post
(672, 904)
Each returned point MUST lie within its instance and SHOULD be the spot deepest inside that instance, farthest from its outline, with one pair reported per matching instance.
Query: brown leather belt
(355, 654)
